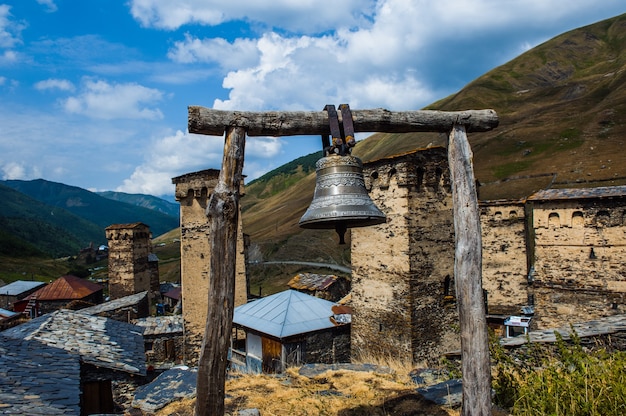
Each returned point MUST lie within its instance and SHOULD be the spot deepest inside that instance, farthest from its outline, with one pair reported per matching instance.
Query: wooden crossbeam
(296, 123)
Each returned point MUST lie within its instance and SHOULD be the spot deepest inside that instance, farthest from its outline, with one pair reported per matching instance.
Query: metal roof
(579, 193)
(285, 314)
(18, 287)
(99, 341)
(67, 288)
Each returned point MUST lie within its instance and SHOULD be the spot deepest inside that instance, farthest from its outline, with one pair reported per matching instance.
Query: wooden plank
(223, 214)
(203, 120)
(468, 276)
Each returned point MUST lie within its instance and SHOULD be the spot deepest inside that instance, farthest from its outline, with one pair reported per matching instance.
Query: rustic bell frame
(223, 215)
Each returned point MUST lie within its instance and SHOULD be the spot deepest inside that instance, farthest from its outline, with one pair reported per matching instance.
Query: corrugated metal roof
(285, 314)
(4, 314)
(579, 193)
(67, 288)
(18, 287)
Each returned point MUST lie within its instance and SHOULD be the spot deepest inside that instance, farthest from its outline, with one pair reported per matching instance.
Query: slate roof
(312, 281)
(23, 388)
(18, 287)
(67, 288)
(285, 314)
(581, 193)
(125, 302)
(161, 325)
(99, 341)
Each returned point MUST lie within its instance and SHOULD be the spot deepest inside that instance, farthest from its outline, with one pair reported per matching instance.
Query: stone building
(578, 241)
(403, 270)
(193, 191)
(557, 255)
(131, 262)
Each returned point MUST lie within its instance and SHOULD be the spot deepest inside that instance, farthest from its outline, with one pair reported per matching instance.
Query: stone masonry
(402, 269)
(193, 191)
(130, 269)
(559, 253)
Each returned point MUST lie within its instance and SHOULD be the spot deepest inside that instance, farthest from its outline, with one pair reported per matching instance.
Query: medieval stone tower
(131, 262)
(193, 191)
(403, 270)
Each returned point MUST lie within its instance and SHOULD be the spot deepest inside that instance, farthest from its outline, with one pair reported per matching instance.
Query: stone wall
(129, 248)
(193, 191)
(579, 267)
(562, 257)
(399, 268)
(505, 268)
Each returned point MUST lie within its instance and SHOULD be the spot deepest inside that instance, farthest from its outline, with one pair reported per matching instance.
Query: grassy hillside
(92, 207)
(562, 112)
(29, 227)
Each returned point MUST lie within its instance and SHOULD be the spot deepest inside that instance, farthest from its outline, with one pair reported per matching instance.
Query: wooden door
(272, 361)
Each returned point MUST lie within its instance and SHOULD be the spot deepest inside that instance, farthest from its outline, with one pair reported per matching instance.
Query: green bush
(563, 380)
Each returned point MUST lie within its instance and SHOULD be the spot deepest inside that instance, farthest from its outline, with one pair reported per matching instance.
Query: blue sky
(94, 93)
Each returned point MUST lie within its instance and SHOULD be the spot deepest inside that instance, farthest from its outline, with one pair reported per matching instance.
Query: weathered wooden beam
(223, 213)
(203, 120)
(468, 278)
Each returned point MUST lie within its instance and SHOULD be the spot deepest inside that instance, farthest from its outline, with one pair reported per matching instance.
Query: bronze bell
(340, 200)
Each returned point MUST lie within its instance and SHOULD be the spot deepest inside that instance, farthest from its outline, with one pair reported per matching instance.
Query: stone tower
(403, 294)
(193, 191)
(131, 263)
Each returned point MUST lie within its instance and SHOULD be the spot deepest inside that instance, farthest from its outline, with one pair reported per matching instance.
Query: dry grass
(341, 393)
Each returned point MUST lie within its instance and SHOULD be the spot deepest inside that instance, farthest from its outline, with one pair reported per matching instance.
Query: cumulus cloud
(239, 53)
(54, 84)
(297, 15)
(100, 99)
(14, 170)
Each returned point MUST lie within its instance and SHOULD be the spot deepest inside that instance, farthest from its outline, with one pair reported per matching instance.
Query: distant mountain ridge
(59, 219)
(145, 201)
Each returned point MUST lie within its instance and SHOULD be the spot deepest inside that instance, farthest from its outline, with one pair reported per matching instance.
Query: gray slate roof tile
(99, 341)
(36, 379)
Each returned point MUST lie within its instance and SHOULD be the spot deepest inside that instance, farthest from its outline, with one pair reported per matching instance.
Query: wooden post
(468, 275)
(223, 213)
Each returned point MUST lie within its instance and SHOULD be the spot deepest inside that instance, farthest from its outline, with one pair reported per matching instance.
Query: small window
(554, 221)
(578, 220)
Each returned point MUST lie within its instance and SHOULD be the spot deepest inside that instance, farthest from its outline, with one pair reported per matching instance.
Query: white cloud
(9, 29)
(306, 16)
(54, 84)
(240, 53)
(13, 170)
(99, 99)
(50, 5)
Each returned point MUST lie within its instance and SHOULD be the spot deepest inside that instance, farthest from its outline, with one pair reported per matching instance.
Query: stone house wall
(505, 268)
(400, 268)
(193, 191)
(579, 267)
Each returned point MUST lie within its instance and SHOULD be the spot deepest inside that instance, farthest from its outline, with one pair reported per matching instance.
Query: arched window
(554, 221)
(603, 218)
(497, 216)
(577, 220)
(512, 215)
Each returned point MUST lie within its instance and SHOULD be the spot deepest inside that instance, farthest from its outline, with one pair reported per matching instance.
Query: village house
(59, 294)
(89, 356)
(324, 286)
(16, 291)
(288, 328)
(126, 309)
(163, 339)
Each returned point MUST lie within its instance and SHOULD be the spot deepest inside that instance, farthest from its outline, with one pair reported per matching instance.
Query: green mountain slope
(29, 227)
(145, 201)
(92, 207)
(562, 112)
